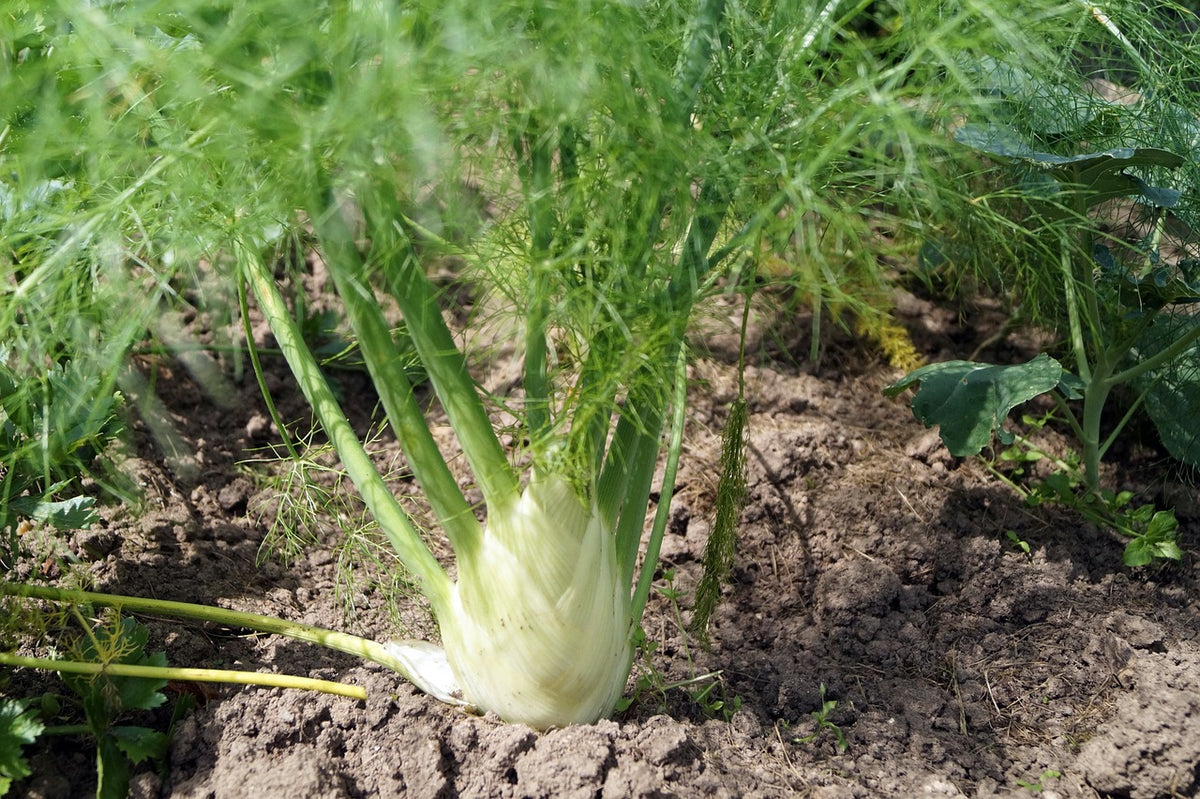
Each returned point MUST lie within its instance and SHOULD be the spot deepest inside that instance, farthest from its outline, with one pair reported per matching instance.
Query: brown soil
(873, 567)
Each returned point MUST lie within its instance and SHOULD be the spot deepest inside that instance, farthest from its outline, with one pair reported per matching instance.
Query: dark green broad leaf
(106, 697)
(141, 743)
(1003, 141)
(969, 401)
(1159, 540)
(19, 726)
(1172, 392)
(112, 769)
(1101, 175)
(1103, 184)
(1154, 286)
(1049, 108)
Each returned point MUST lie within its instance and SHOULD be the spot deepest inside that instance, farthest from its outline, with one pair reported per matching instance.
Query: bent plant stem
(1177, 348)
(1071, 291)
(1094, 399)
(645, 581)
(185, 674)
(259, 374)
(392, 519)
(1100, 375)
(330, 639)
(395, 391)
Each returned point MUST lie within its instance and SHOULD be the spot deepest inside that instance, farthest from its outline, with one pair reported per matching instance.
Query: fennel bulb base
(539, 624)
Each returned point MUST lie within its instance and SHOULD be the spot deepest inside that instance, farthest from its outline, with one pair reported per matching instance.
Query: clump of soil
(874, 571)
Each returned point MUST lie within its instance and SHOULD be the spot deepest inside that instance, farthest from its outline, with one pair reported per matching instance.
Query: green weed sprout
(51, 427)
(632, 158)
(823, 722)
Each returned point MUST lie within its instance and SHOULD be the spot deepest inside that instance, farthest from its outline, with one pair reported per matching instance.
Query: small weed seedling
(51, 426)
(1149, 533)
(708, 690)
(112, 675)
(1038, 786)
(1018, 542)
(821, 717)
(106, 699)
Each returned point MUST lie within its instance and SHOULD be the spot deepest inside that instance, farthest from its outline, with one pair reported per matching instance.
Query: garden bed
(973, 646)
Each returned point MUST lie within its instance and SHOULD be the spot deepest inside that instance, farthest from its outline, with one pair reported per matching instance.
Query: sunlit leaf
(969, 401)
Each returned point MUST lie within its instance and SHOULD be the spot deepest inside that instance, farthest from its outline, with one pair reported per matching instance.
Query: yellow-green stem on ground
(186, 674)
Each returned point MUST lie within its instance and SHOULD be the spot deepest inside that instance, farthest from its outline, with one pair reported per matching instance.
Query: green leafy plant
(1039, 785)
(970, 401)
(706, 690)
(1127, 323)
(51, 427)
(19, 727)
(1150, 533)
(106, 698)
(825, 724)
(1017, 541)
(112, 676)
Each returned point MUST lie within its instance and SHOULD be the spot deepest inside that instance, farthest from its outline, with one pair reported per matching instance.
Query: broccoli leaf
(969, 401)
(1173, 391)
(1004, 142)
(1100, 175)
(1154, 286)
(1052, 109)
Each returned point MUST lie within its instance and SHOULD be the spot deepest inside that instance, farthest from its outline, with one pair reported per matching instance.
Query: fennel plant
(639, 157)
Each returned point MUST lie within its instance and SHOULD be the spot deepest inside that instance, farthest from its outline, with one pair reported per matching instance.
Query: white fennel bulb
(539, 623)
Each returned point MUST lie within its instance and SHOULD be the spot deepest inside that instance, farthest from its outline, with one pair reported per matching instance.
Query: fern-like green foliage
(723, 538)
